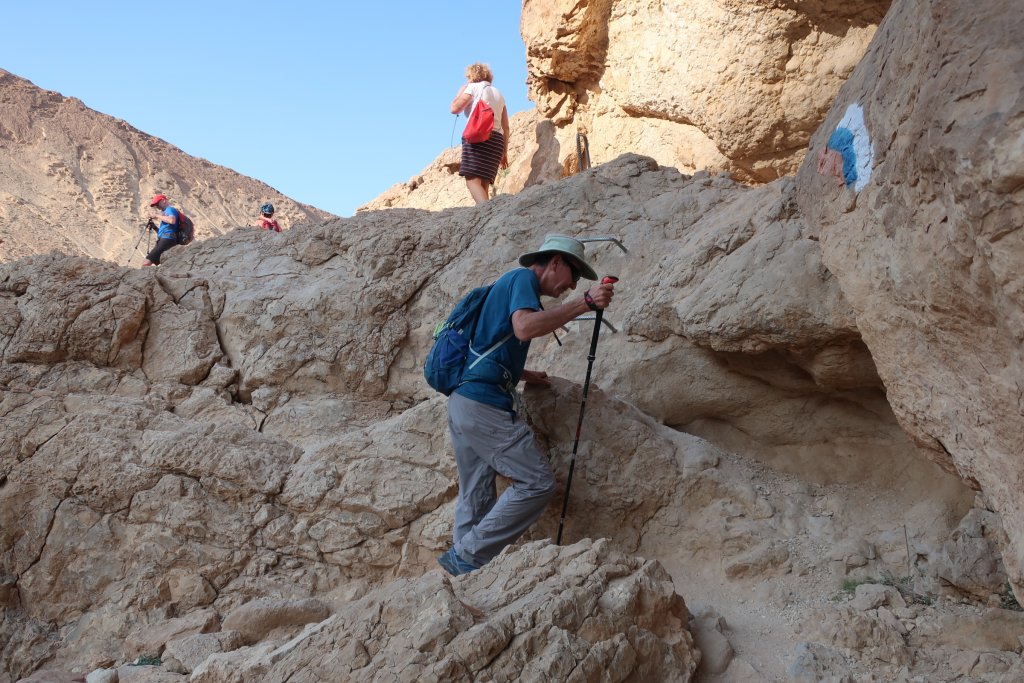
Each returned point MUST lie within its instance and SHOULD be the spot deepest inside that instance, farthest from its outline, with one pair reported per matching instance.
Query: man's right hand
(602, 294)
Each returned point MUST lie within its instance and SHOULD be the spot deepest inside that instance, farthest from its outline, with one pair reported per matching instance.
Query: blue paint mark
(842, 141)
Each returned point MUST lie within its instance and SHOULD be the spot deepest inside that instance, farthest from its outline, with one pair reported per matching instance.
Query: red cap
(157, 198)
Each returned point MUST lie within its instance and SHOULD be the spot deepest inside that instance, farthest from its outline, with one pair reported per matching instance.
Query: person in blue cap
(267, 220)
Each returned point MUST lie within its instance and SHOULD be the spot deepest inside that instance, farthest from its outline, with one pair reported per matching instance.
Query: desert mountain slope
(79, 181)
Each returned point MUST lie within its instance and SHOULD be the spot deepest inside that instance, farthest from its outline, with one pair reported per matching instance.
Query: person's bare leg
(147, 262)
(477, 189)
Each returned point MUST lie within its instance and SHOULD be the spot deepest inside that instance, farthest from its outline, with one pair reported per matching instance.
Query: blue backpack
(446, 361)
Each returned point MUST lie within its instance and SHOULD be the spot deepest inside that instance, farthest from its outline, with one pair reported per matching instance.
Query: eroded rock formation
(730, 85)
(926, 239)
(582, 612)
(717, 85)
(248, 420)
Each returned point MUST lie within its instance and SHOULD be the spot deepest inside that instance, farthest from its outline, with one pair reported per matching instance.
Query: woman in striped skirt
(481, 160)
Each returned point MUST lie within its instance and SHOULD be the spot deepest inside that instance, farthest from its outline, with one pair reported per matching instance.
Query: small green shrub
(849, 587)
(1009, 600)
(904, 584)
(146, 660)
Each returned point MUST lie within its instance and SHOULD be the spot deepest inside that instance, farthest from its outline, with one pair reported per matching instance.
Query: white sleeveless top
(491, 95)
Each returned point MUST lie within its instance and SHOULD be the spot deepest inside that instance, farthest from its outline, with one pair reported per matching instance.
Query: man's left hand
(536, 377)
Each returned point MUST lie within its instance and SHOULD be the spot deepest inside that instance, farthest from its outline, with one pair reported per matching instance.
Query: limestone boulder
(147, 674)
(815, 663)
(186, 520)
(83, 310)
(876, 634)
(542, 612)
(721, 297)
(102, 676)
(254, 620)
(708, 631)
(969, 563)
(191, 651)
(149, 640)
(872, 595)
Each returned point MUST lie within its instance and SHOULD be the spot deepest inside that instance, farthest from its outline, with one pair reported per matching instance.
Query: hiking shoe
(453, 564)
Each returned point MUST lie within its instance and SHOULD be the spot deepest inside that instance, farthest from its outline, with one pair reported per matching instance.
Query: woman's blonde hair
(479, 72)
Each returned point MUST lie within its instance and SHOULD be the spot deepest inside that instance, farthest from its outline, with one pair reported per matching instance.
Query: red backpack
(186, 228)
(481, 121)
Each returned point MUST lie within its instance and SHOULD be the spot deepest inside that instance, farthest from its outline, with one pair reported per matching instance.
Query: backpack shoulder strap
(480, 97)
(494, 347)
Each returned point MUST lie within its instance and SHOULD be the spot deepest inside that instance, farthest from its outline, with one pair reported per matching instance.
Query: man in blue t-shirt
(488, 435)
(167, 233)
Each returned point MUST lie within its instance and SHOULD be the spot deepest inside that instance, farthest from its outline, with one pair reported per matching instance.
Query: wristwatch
(590, 301)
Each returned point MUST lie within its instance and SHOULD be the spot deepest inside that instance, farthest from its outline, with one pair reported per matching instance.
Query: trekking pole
(609, 279)
(145, 231)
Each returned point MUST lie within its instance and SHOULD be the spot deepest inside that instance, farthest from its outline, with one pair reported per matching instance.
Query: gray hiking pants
(489, 440)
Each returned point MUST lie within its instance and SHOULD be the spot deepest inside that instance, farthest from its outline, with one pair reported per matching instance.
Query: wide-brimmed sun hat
(157, 198)
(566, 246)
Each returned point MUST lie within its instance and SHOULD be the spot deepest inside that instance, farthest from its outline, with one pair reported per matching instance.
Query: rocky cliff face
(718, 85)
(922, 227)
(795, 449)
(248, 421)
(80, 182)
(732, 85)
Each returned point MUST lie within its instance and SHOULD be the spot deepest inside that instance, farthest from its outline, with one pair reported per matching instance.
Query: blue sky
(329, 103)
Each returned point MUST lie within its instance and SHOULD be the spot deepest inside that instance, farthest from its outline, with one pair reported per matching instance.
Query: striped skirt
(481, 159)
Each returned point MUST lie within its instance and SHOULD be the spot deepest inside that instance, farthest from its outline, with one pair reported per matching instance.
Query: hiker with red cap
(166, 233)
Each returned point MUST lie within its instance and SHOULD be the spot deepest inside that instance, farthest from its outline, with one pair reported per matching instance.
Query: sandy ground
(768, 610)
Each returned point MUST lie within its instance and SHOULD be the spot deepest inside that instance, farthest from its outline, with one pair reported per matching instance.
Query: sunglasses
(575, 272)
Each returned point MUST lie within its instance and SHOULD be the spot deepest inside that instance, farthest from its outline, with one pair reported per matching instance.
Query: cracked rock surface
(804, 425)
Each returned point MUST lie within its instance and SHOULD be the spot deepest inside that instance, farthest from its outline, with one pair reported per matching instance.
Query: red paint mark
(830, 163)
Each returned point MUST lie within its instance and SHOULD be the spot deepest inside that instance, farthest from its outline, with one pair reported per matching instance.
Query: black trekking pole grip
(608, 279)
